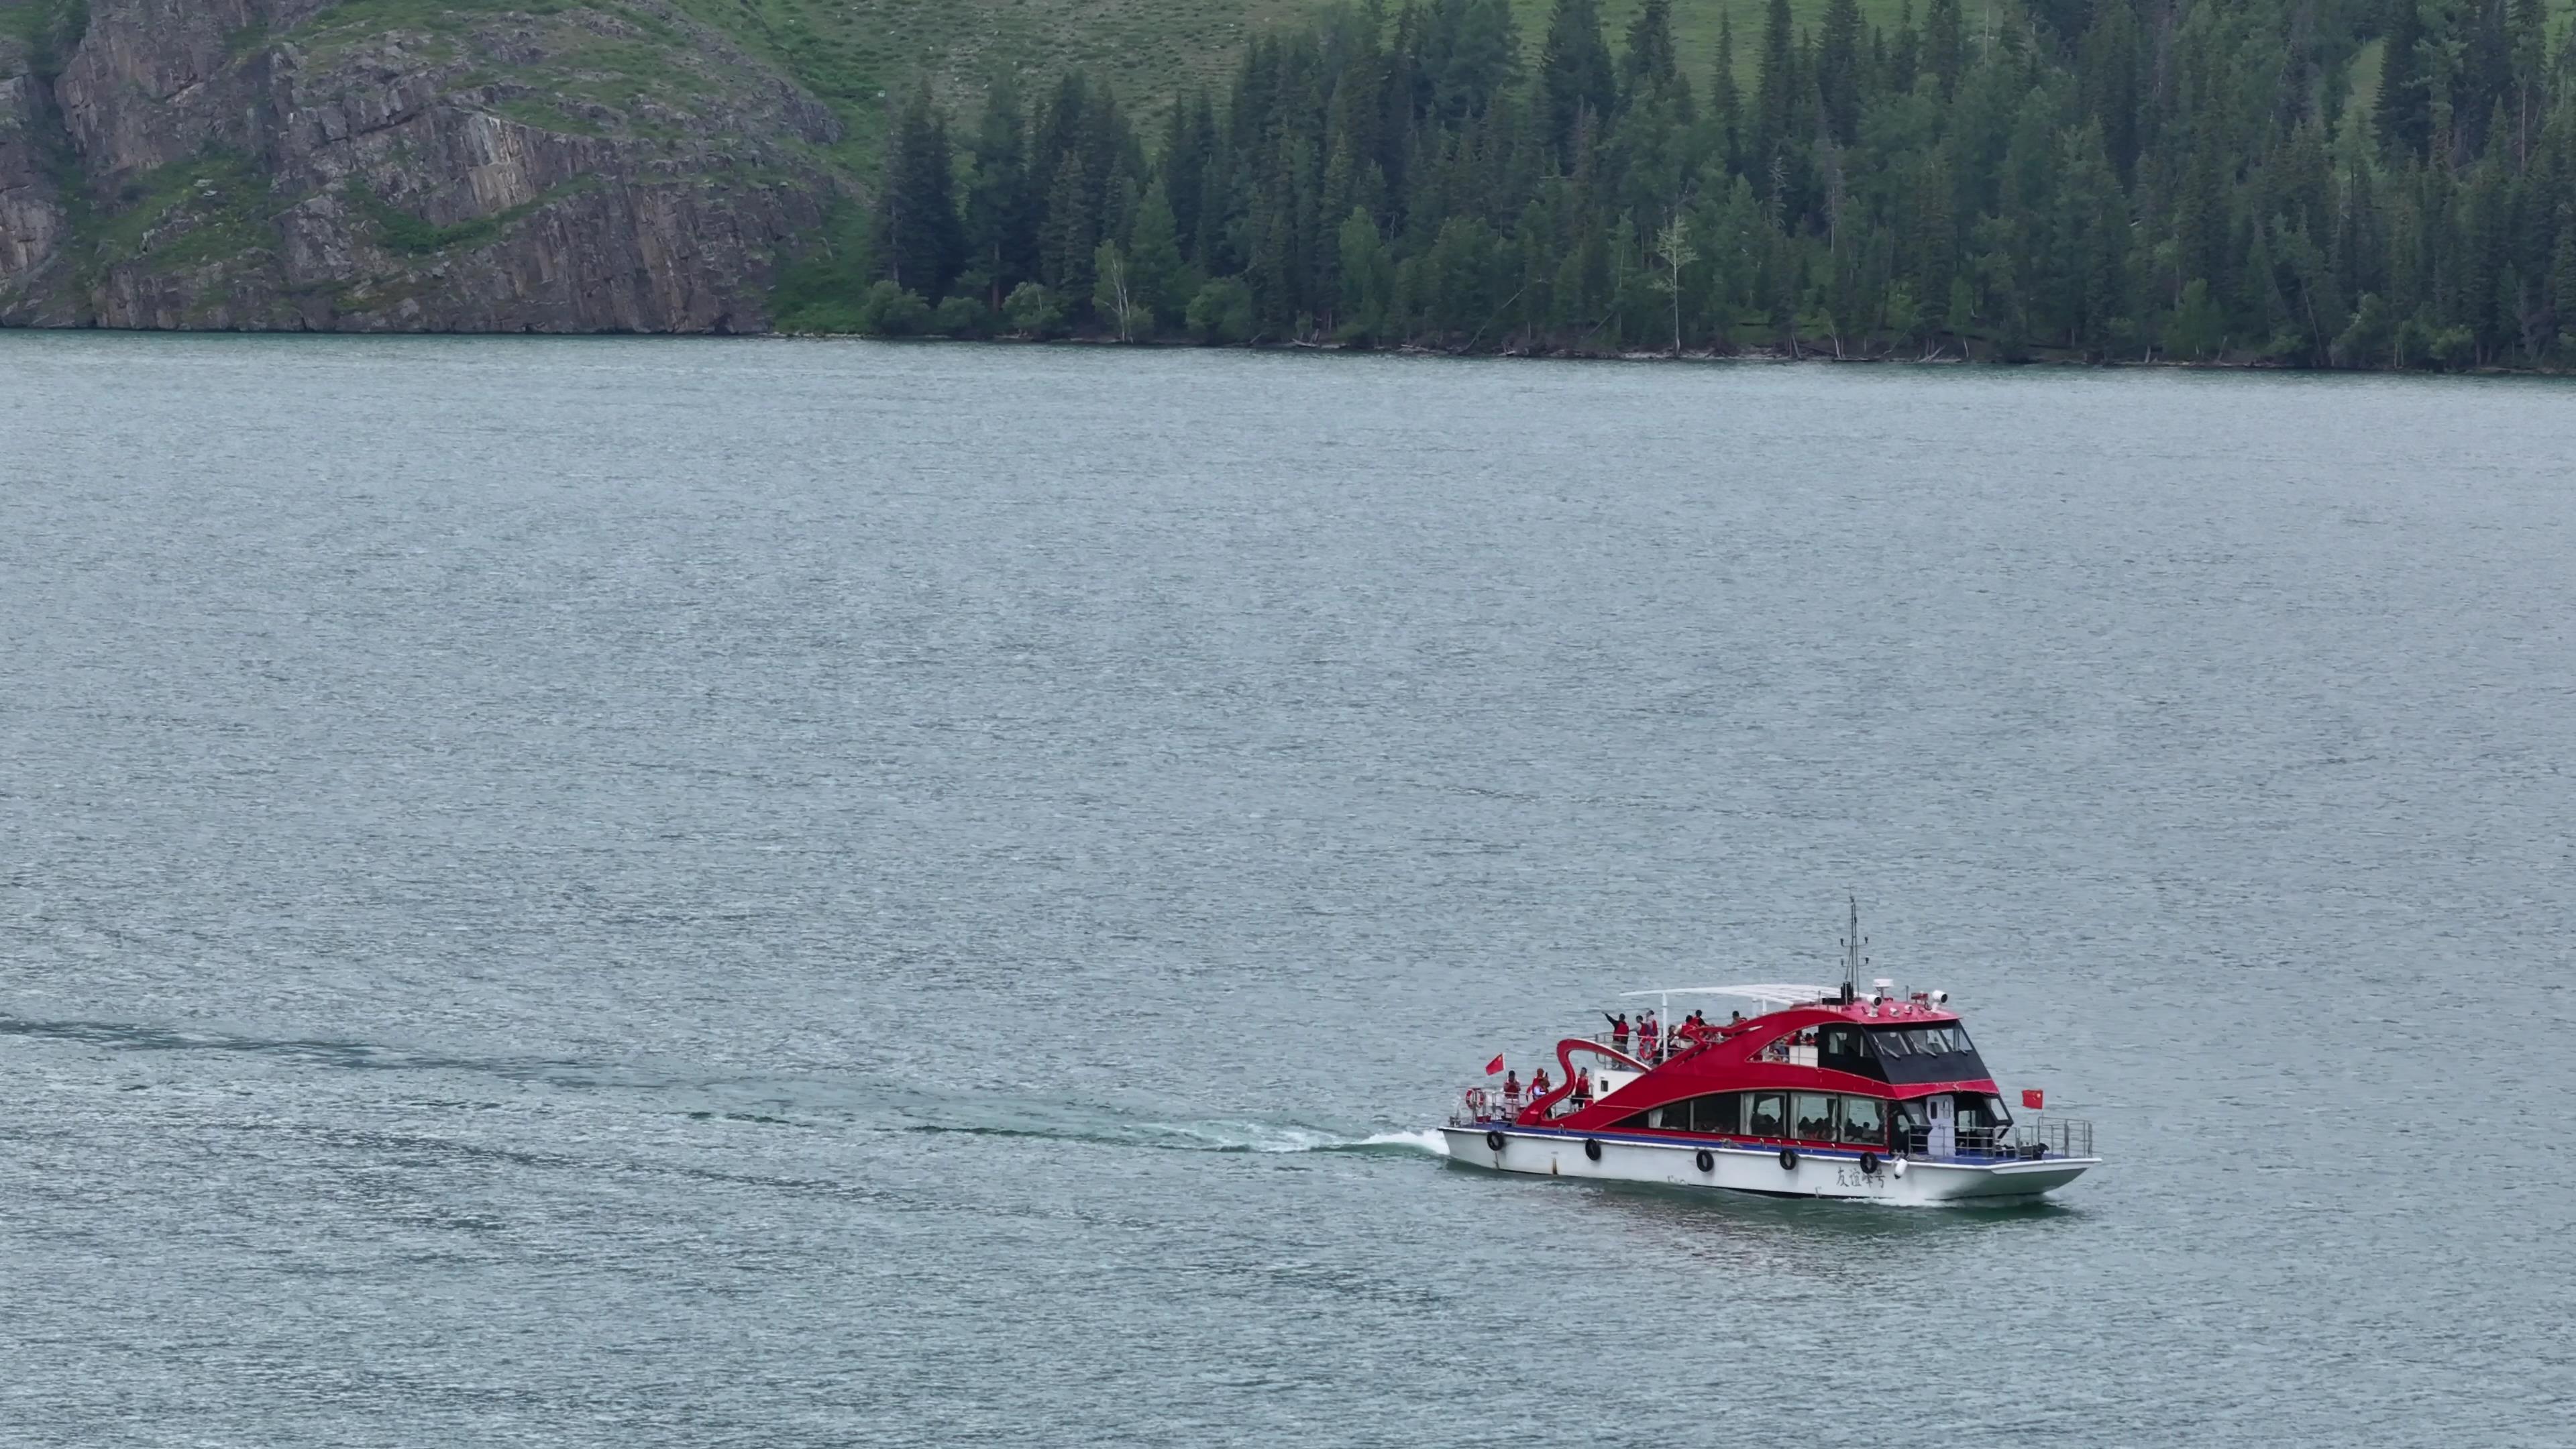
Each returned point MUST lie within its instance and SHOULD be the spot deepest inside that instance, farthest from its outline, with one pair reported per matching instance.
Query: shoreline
(1749, 355)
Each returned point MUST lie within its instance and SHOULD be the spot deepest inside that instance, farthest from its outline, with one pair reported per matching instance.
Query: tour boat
(1819, 1092)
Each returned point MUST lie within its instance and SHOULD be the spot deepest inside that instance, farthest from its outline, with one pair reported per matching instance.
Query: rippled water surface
(621, 892)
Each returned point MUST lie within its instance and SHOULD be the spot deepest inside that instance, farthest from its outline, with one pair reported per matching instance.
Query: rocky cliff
(396, 165)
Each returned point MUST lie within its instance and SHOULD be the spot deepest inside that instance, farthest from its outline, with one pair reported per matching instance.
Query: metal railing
(2060, 1136)
(1487, 1107)
(2027, 1140)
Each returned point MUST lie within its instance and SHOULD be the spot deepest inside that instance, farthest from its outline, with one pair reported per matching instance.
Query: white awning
(1783, 992)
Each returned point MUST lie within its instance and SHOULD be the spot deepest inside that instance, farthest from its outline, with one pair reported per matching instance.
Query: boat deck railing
(1666, 1048)
(2033, 1137)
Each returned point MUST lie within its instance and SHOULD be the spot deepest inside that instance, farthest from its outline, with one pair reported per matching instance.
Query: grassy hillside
(1695, 24)
(859, 54)
(856, 54)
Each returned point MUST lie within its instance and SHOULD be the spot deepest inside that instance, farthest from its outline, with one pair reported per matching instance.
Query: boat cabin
(1940, 1125)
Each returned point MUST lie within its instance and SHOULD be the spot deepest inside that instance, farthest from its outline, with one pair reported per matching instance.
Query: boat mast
(1851, 954)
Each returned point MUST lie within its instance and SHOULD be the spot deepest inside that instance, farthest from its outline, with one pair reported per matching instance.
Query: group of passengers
(1653, 1042)
(1654, 1045)
(1778, 1051)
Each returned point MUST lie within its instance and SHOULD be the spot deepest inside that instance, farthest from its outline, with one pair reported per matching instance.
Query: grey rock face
(286, 164)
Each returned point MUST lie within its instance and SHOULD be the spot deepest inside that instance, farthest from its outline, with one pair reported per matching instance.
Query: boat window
(1864, 1121)
(1846, 1049)
(1675, 1116)
(1718, 1113)
(1769, 1115)
(1924, 1054)
(1815, 1116)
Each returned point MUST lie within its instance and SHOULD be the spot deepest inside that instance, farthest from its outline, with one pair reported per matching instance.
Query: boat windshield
(1940, 1053)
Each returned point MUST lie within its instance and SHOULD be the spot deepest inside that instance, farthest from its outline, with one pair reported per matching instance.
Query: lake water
(644, 892)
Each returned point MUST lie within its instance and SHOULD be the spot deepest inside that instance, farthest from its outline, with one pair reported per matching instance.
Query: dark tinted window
(1846, 1049)
(1719, 1113)
(1925, 1054)
(1864, 1121)
(1769, 1115)
(1815, 1116)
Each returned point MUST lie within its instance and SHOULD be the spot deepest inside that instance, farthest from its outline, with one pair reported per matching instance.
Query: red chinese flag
(1496, 1065)
(2032, 1098)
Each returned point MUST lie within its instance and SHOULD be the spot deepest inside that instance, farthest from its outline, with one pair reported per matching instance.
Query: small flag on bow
(1495, 1065)
(2032, 1098)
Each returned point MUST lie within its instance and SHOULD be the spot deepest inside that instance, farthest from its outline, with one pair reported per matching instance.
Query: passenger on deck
(1538, 1083)
(1512, 1090)
(1582, 1088)
(1646, 1037)
(1619, 1031)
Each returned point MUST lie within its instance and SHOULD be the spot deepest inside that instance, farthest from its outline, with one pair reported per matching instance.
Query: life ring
(1494, 1140)
(1869, 1164)
(1476, 1100)
(1788, 1159)
(1592, 1148)
(1707, 1160)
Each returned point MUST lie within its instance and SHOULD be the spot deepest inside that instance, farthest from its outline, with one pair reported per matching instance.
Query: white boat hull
(1549, 1152)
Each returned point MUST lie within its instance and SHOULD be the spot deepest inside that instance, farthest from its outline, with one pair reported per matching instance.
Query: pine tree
(1069, 237)
(1775, 103)
(1650, 70)
(920, 243)
(2562, 282)
(1001, 212)
(1905, 55)
(1155, 260)
(1945, 45)
(1726, 99)
(1575, 75)
(2403, 114)
(1838, 70)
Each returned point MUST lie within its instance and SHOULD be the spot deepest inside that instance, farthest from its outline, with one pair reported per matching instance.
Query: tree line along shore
(2082, 180)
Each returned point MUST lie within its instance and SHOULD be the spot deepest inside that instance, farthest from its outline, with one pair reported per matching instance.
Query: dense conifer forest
(2096, 180)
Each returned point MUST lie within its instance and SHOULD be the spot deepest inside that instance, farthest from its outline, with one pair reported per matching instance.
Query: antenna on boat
(1851, 954)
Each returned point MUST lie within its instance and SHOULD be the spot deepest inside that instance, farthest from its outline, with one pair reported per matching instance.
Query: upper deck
(1882, 1044)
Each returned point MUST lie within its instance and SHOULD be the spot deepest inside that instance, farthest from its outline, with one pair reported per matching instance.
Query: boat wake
(769, 1101)
(1108, 1127)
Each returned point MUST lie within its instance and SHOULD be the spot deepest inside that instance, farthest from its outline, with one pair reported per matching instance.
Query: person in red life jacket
(1512, 1091)
(1618, 1030)
(1538, 1084)
(1646, 1037)
(1582, 1087)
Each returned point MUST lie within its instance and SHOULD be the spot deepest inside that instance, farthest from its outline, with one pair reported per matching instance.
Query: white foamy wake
(1278, 1137)
(1421, 1139)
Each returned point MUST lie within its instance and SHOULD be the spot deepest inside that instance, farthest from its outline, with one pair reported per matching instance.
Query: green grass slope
(858, 55)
